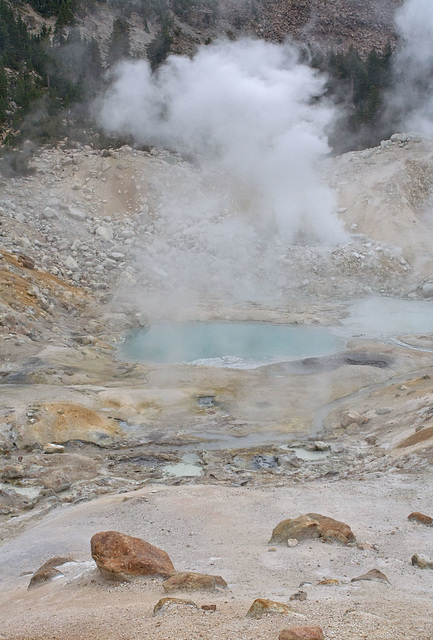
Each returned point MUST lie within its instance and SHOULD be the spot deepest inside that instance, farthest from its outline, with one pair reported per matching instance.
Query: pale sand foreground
(225, 530)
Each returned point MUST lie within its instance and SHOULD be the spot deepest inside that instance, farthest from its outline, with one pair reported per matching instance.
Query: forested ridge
(49, 75)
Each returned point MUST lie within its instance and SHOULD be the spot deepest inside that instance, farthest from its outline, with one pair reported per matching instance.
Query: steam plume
(252, 111)
(412, 97)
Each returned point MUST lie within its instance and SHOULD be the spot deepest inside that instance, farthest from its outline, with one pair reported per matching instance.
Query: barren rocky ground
(91, 249)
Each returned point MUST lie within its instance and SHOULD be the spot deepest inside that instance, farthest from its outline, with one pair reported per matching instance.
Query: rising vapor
(411, 99)
(249, 109)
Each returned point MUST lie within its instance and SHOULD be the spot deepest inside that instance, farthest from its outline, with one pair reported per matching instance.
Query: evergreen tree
(3, 93)
(119, 45)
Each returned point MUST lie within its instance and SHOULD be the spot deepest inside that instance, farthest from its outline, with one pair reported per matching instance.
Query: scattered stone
(51, 447)
(75, 213)
(373, 574)
(261, 607)
(321, 446)
(422, 561)
(299, 595)
(328, 582)
(11, 472)
(292, 542)
(48, 571)
(189, 581)
(165, 604)
(302, 633)
(312, 525)
(120, 557)
(351, 417)
(420, 517)
(26, 261)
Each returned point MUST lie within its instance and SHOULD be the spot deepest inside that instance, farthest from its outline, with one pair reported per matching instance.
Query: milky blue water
(228, 344)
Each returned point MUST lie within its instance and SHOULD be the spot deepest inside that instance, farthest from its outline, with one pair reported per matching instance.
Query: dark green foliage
(358, 85)
(158, 50)
(48, 8)
(119, 46)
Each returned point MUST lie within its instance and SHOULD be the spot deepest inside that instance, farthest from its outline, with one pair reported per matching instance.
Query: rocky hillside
(337, 24)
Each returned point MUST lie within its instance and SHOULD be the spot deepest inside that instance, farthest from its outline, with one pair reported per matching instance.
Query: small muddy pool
(241, 345)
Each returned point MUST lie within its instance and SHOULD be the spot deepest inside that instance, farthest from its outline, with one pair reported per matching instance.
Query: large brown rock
(312, 525)
(189, 581)
(121, 557)
(302, 633)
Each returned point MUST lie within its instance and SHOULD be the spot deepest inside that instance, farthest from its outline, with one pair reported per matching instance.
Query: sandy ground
(225, 531)
(216, 526)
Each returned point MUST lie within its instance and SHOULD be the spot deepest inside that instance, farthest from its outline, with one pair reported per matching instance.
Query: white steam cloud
(250, 110)
(412, 96)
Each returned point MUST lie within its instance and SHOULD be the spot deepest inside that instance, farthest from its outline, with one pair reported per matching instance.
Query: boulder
(189, 581)
(420, 517)
(261, 607)
(302, 633)
(312, 525)
(165, 604)
(120, 557)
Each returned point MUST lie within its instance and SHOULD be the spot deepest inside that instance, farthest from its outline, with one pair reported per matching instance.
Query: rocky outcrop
(189, 581)
(312, 525)
(121, 557)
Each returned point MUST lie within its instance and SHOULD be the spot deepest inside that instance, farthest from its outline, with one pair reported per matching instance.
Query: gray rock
(76, 214)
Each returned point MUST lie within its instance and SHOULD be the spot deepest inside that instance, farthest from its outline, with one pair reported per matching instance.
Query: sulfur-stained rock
(420, 517)
(189, 581)
(312, 525)
(121, 557)
(301, 633)
(373, 574)
(165, 604)
(261, 607)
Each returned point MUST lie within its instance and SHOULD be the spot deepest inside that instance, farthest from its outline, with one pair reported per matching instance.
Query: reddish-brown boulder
(420, 517)
(312, 525)
(121, 557)
(302, 633)
(189, 581)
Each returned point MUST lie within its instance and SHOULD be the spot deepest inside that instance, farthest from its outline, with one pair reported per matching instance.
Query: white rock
(105, 232)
